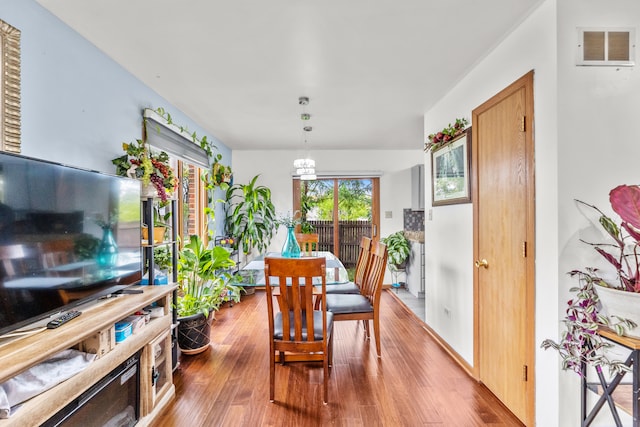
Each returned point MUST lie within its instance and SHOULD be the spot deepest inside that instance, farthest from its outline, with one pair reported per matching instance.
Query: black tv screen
(67, 235)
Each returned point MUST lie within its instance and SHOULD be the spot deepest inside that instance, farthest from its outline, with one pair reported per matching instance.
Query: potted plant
(398, 250)
(160, 224)
(250, 216)
(589, 310)
(151, 167)
(162, 259)
(203, 285)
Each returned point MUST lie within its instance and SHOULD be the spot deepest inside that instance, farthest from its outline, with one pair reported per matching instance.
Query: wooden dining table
(252, 273)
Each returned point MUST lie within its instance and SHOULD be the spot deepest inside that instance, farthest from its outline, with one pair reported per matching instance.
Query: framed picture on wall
(450, 169)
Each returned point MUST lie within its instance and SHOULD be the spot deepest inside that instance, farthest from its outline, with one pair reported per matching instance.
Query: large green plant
(250, 215)
(203, 282)
(398, 249)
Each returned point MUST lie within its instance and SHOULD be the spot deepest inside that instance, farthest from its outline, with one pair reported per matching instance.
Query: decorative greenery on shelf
(579, 342)
(140, 162)
(203, 142)
(218, 175)
(162, 258)
(437, 140)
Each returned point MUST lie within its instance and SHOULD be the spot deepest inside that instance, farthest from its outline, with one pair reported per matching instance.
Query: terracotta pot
(622, 304)
(193, 333)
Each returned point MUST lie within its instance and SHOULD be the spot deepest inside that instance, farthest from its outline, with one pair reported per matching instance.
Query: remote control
(64, 318)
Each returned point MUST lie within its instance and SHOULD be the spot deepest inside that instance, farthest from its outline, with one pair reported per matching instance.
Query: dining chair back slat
(363, 260)
(372, 284)
(308, 243)
(360, 271)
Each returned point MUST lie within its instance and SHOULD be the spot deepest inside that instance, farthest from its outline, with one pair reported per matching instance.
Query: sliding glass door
(341, 211)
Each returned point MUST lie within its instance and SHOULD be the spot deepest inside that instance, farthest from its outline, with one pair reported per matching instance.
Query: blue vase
(108, 250)
(291, 248)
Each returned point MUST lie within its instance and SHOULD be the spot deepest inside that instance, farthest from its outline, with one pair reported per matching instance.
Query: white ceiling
(371, 68)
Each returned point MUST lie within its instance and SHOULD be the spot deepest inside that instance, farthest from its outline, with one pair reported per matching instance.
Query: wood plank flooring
(415, 383)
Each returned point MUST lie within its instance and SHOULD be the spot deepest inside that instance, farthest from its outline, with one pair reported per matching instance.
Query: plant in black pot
(203, 286)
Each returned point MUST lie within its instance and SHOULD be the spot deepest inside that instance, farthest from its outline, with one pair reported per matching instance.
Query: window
(340, 210)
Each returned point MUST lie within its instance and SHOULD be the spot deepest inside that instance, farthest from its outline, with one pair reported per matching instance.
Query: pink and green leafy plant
(623, 251)
(579, 343)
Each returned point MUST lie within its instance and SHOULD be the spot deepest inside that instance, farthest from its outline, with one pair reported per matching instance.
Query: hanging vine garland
(437, 140)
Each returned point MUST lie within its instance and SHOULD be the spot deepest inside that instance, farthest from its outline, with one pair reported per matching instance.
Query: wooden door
(502, 156)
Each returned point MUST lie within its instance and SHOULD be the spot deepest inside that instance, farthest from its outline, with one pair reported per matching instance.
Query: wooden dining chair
(297, 332)
(361, 268)
(308, 243)
(364, 306)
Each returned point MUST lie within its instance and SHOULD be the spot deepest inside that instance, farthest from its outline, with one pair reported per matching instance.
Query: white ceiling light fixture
(305, 166)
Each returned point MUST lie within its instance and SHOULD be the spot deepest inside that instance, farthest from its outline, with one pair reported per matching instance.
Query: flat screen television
(67, 236)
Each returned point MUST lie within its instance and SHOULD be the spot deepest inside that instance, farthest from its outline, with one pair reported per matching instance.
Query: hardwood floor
(415, 383)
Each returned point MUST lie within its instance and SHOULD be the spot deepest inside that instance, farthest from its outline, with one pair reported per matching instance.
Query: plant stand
(394, 278)
(608, 388)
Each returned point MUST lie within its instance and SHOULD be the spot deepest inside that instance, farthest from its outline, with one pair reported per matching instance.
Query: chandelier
(305, 166)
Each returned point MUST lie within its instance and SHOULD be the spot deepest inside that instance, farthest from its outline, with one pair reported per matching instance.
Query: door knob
(482, 263)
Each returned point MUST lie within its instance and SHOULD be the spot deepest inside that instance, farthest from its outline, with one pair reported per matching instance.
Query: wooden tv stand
(156, 384)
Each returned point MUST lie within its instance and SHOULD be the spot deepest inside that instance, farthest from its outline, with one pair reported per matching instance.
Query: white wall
(597, 150)
(449, 245)
(275, 167)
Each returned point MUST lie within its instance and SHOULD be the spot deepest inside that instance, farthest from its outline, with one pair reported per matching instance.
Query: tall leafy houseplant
(579, 342)
(250, 215)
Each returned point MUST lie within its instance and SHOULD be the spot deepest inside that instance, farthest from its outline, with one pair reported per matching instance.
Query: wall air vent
(606, 46)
